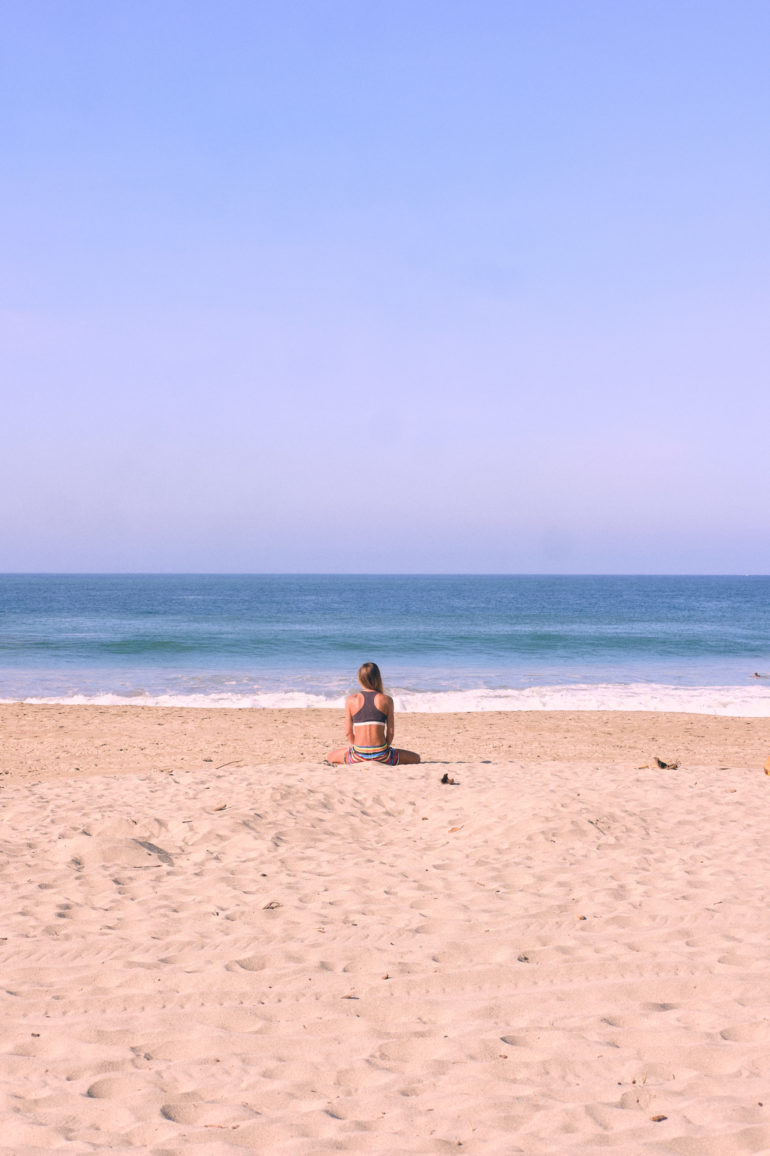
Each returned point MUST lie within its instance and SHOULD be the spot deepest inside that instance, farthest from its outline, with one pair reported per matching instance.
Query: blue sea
(443, 642)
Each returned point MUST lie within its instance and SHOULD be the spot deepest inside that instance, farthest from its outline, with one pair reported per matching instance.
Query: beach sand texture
(553, 955)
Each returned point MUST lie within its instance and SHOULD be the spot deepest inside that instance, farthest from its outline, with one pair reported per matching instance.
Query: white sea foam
(739, 701)
(273, 699)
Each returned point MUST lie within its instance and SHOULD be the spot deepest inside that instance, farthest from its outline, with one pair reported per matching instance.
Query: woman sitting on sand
(369, 724)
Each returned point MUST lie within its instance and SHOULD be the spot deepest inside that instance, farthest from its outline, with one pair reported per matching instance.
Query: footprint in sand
(201, 1114)
(120, 1088)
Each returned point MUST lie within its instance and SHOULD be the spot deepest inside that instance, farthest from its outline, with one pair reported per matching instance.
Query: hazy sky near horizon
(405, 286)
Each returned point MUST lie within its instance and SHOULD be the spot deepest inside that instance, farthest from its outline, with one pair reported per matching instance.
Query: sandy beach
(213, 942)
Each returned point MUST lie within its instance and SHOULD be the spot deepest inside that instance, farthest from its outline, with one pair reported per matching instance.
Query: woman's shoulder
(380, 699)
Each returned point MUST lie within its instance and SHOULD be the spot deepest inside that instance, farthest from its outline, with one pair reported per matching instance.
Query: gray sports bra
(369, 712)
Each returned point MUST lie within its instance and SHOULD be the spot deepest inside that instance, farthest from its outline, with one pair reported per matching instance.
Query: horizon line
(374, 574)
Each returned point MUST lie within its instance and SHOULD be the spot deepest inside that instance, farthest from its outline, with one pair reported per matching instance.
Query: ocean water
(443, 642)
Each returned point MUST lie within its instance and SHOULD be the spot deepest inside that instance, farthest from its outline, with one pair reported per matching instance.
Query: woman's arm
(390, 728)
(350, 734)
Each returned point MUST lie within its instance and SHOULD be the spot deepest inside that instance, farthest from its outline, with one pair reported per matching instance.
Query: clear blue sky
(408, 286)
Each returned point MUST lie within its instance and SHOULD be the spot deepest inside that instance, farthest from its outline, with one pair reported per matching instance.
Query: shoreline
(747, 699)
(43, 742)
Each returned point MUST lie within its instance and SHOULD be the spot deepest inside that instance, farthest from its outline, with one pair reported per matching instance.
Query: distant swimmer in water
(369, 725)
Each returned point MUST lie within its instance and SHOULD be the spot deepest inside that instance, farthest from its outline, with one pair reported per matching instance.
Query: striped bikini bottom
(381, 754)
